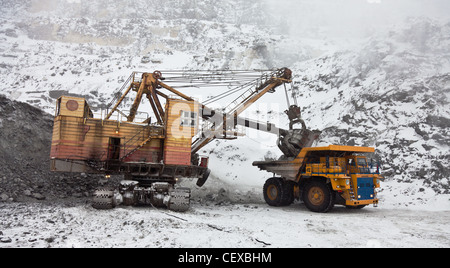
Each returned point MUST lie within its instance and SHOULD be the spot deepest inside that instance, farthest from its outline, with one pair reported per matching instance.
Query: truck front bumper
(361, 202)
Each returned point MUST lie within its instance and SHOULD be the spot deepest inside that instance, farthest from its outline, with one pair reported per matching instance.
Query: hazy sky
(353, 17)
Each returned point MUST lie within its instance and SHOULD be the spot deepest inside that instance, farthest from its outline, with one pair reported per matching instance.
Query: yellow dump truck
(323, 177)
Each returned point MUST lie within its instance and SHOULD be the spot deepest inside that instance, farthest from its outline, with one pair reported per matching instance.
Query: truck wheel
(318, 196)
(278, 193)
(288, 197)
(272, 191)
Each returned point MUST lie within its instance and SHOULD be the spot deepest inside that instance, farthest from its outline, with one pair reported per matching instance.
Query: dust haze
(350, 18)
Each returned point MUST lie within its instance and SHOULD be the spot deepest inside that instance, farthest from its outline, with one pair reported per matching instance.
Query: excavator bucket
(291, 142)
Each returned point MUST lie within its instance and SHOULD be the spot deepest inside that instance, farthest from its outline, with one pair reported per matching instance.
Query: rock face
(391, 93)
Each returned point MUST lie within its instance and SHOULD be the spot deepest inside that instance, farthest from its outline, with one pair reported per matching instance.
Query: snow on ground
(227, 225)
(223, 215)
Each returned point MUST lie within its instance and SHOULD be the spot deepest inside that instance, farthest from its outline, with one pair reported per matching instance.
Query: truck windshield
(363, 168)
(359, 166)
(362, 162)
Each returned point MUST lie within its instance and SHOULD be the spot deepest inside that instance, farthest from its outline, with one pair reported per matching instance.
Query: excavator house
(151, 155)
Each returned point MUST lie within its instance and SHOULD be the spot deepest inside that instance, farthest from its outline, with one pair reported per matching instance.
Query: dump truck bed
(289, 169)
(284, 168)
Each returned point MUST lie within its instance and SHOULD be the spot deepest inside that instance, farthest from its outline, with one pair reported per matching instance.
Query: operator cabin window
(362, 162)
(188, 119)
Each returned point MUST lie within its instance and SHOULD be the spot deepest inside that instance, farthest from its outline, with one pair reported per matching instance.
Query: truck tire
(289, 192)
(278, 193)
(318, 196)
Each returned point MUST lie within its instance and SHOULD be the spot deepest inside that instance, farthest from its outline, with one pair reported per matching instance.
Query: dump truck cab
(323, 177)
(364, 179)
(357, 164)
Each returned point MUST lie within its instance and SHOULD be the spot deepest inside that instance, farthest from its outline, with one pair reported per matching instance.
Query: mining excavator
(152, 156)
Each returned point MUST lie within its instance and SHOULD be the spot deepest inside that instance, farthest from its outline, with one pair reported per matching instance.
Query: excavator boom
(218, 124)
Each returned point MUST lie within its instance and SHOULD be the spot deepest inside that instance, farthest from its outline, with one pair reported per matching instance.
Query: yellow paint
(65, 107)
(182, 119)
(337, 171)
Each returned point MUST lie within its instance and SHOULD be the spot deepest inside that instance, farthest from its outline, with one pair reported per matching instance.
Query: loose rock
(5, 240)
(38, 196)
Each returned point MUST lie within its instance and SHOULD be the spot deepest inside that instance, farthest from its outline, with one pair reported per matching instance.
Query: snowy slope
(391, 93)
(55, 47)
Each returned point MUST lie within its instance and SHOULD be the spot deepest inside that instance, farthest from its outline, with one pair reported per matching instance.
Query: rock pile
(25, 139)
